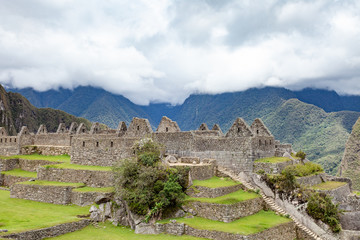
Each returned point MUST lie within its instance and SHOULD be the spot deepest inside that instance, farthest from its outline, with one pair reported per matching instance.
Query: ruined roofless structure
(237, 149)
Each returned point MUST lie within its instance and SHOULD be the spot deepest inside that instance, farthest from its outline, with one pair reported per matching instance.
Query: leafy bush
(321, 207)
(302, 170)
(300, 154)
(148, 187)
(284, 183)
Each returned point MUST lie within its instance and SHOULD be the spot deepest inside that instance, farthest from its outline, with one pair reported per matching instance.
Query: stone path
(269, 201)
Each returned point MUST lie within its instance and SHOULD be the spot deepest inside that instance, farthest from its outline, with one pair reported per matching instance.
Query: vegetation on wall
(149, 187)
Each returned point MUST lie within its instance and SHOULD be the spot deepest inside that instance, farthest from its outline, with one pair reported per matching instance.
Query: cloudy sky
(164, 50)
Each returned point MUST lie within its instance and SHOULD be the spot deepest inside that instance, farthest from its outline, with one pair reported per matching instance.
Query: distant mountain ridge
(316, 121)
(16, 111)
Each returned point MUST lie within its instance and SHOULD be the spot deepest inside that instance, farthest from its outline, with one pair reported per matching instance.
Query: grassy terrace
(92, 189)
(20, 173)
(273, 160)
(328, 185)
(109, 231)
(216, 182)
(230, 198)
(19, 215)
(50, 183)
(78, 167)
(59, 158)
(245, 226)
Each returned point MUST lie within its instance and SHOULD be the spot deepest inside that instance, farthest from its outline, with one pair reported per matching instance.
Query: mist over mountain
(316, 121)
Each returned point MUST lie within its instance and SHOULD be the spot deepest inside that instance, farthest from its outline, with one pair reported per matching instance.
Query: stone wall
(282, 232)
(205, 192)
(50, 231)
(352, 203)
(271, 168)
(339, 194)
(54, 139)
(8, 164)
(33, 165)
(350, 221)
(9, 180)
(87, 198)
(45, 150)
(88, 177)
(41, 193)
(311, 180)
(227, 212)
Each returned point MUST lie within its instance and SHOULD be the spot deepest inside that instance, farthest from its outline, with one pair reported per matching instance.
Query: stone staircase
(271, 203)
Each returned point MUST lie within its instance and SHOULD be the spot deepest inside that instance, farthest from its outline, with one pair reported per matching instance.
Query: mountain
(16, 111)
(350, 164)
(316, 121)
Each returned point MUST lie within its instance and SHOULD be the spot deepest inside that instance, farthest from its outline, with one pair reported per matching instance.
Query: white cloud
(165, 50)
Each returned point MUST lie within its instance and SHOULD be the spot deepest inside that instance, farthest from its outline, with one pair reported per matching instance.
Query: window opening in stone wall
(1, 140)
(265, 143)
(138, 128)
(83, 144)
(167, 129)
(15, 140)
(270, 142)
(10, 140)
(259, 142)
(83, 130)
(257, 131)
(5, 139)
(112, 144)
(239, 130)
(97, 144)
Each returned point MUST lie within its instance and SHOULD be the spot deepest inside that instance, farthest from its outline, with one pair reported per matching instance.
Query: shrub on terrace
(148, 187)
(302, 170)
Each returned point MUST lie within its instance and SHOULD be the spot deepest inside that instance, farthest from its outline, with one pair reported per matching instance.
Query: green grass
(78, 167)
(109, 231)
(92, 189)
(20, 173)
(273, 160)
(215, 182)
(50, 183)
(357, 193)
(328, 185)
(19, 215)
(245, 226)
(59, 158)
(230, 198)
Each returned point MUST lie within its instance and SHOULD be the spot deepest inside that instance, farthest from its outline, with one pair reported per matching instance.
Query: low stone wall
(339, 179)
(87, 198)
(41, 193)
(311, 180)
(8, 164)
(9, 150)
(350, 235)
(205, 192)
(50, 231)
(227, 212)
(338, 194)
(33, 165)
(282, 232)
(8, 180)
(352, 203)
(46, 150)
(202, 171)
(271, 168)
(89, 177)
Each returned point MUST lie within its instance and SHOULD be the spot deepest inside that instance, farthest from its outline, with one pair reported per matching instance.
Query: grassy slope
(109, 231)
(328, 185)
(215, 182)
(230, 198)
(245, 226)
(273, 160)
(20, 173)
(93, 189)
(19, 215)
(79, 167)
(51, 183)
(59, 158)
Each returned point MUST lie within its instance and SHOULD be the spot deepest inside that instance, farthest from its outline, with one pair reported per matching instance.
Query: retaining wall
(8, 164)
(88, 177)
(311, 180)
(40, 193)
(339, 194)
(227, 212)
(271, 168)
(8, 180)
(205, 192)
(33, 165)
(282, 232)
(50, 231)
(45, 150)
